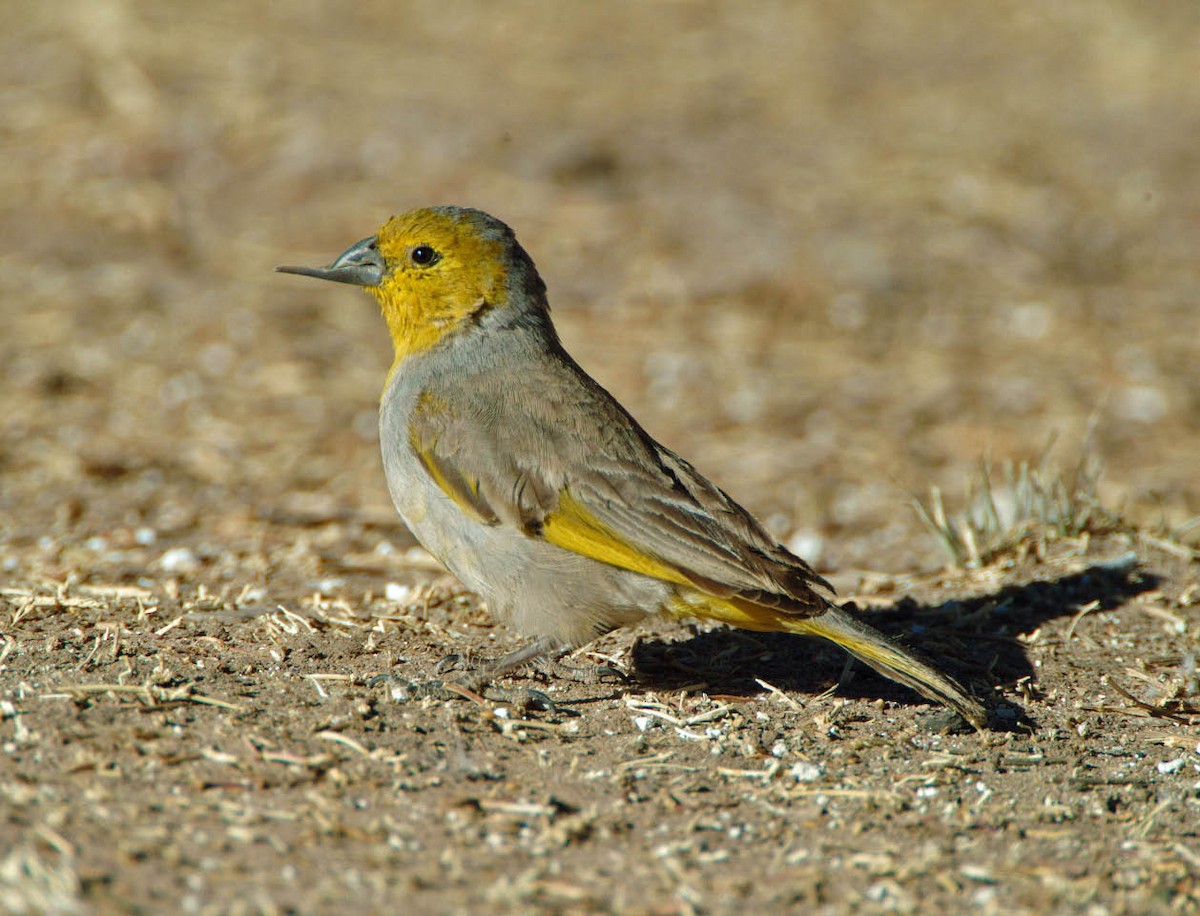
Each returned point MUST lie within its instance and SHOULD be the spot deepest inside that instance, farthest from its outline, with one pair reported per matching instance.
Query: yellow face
(441, 265)
(436, 271)
(432, 270)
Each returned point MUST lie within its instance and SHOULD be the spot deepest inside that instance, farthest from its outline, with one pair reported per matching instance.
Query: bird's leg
(547, 656)
(525, 696)
(554, 666)
(532, 651)
(477, 678)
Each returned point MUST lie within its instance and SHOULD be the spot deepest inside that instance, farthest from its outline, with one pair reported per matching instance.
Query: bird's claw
(402, 690)
(525, 698)
(447, 663)
(582, 674)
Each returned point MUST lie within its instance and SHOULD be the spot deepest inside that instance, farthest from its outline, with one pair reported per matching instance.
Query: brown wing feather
(514, 451)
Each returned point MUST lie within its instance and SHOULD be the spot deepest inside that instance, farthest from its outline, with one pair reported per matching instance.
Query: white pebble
(394, 591)
(1142, 403)
(1030, 320)
(178, 559)
(805, 771)
(807, 545)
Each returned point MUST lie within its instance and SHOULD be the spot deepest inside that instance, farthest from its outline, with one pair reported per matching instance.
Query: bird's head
(438, 270)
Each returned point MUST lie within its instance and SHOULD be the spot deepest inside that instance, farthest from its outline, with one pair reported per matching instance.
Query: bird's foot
(474, 679)
(523, 698)
(583, 674)
(404, 690)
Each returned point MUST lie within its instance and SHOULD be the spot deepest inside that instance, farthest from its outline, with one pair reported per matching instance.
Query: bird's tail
(887, 657)
(858, 638)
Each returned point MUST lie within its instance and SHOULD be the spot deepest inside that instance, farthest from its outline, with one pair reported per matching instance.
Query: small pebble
(394, 591)
(178, 559)
(805, 771)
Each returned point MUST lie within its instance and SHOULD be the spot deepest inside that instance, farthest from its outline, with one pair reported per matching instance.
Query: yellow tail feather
(856, 637)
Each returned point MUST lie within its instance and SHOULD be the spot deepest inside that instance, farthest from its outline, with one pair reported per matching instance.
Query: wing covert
(598, 485)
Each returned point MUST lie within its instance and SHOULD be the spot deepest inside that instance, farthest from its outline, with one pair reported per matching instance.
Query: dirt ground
(836, 254)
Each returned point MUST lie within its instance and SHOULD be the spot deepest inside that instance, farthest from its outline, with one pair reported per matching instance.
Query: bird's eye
(423, 256)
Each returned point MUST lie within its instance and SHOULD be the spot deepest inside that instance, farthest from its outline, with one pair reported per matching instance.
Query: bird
(535, 488)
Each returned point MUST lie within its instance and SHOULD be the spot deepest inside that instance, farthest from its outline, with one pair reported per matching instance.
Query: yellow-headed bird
(539, 491)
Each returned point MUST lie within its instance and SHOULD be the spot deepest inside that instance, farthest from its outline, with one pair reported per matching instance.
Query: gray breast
(533, 586)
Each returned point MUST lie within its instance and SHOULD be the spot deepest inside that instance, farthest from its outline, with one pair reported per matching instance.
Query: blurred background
(833, 253)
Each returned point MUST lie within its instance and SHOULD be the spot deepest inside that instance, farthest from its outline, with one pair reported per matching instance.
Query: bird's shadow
(973, 639)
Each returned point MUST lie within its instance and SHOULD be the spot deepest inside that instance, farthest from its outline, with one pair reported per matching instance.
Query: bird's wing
(581, 474)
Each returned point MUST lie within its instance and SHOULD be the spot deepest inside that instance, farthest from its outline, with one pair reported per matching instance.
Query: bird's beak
(361, 265)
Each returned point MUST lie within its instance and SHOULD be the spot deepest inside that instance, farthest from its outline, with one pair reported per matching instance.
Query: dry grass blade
(779, 694)
(1083, 612)
(339, 738)
(1032, 501)
(1184, 716)
(150, 694)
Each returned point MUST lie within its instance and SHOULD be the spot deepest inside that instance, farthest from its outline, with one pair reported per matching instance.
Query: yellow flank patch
(573, 528)
(453, 489)
(733, 611)
(747, 615)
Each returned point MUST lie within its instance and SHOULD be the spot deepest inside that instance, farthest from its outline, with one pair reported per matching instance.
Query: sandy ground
(835, 254)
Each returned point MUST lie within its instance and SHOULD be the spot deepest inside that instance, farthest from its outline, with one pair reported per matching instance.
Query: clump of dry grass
(1021, 502)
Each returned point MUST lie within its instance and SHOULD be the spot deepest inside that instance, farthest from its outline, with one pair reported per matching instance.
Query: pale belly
(538, 589)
